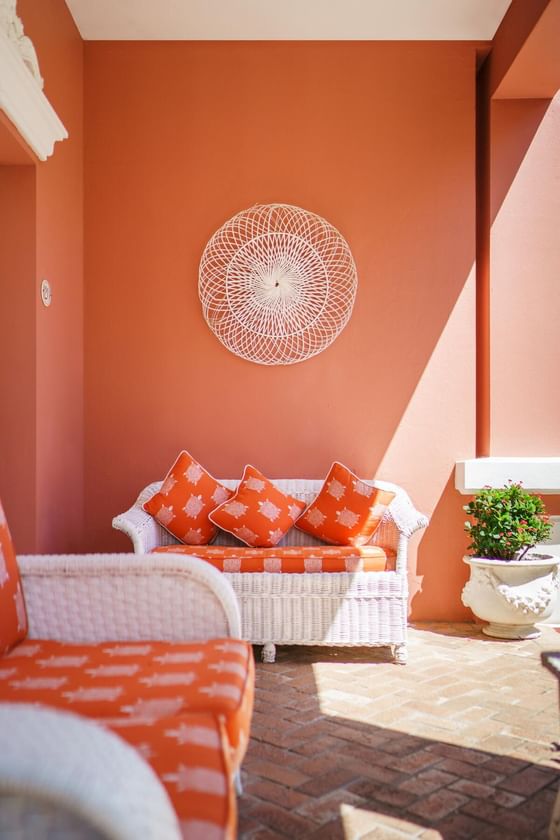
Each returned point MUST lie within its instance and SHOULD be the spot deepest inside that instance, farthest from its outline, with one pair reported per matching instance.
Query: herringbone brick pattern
(456, 744)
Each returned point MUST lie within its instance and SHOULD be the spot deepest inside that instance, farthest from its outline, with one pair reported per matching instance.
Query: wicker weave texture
(361, 609)
(90, 598)
(29, 817)
(323, 621)
(84, 772)
(335, 585)
(277, 284)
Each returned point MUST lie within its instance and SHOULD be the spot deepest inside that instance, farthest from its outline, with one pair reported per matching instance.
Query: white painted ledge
(539, 475)
(25, 104)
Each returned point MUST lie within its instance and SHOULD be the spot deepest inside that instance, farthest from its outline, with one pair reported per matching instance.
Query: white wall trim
(287, 20)
(23, 101)
(539, 475)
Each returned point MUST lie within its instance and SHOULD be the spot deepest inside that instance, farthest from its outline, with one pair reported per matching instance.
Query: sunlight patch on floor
(358, 822)
(459, 688)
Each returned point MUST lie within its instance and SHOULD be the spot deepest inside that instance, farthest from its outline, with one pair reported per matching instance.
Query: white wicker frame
(342, 608)
(65, 776)
(108, 597)
(277, 284)
(125, 597)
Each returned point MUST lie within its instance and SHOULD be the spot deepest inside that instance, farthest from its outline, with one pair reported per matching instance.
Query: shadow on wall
(440, 571)
(525, 254)
(515, 122)
(524, 151)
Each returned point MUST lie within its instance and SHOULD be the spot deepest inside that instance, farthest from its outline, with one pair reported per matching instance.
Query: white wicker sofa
(324, 608)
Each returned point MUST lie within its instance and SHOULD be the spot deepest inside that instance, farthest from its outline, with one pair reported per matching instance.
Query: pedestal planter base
(511, 631)
(512, 595)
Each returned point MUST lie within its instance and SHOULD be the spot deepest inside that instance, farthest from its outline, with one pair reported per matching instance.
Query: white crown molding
(21, 95)
(300, 20)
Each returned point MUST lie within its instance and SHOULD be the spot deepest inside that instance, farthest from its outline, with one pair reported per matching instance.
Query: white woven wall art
(277, 284)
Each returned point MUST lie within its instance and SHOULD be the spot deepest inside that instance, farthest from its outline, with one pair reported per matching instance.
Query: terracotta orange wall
(17, 351)
(529, 41)
(525, 264)
(56, 403)
(376, 137)
(13, 149)
(516, 28)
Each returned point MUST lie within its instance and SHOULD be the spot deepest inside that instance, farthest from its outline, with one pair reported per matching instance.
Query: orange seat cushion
(140, 681)
(189, 755)
(184, 500)
(13, 616)
(291, 559)
(347, 510)
(258, 513)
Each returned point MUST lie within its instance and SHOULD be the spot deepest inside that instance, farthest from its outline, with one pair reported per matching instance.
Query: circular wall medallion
(277, 284)
(46, 292)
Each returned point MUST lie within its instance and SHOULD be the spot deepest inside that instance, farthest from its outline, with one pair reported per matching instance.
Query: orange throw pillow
(347, 510)
(13, 617)
(258, 513)
(185, 499)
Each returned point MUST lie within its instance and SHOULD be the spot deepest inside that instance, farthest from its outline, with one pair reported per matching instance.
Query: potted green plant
(510, 586)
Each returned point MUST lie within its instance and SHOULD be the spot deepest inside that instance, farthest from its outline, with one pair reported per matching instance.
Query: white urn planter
(512, 595)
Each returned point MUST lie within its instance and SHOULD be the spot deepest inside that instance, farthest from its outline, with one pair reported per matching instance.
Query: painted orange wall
(55, 398)
(376, 137)
(13, 149)
(535, 70)
(525, 260)
(511, 36)
(18, 458)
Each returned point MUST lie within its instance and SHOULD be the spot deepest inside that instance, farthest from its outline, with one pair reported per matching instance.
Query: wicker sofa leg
(268, 653)
(400, 653)
(238, 782)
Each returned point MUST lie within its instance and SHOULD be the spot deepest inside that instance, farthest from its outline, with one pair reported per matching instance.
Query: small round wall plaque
(46, 292)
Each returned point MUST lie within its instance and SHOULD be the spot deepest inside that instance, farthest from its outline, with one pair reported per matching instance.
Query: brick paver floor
(459, 743)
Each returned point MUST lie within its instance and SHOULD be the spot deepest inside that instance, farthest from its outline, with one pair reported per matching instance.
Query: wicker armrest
(402, 511)
(62, 775)
(100, 597)
(140, 526)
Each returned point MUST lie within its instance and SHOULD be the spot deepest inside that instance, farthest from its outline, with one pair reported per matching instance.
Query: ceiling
(133, 20)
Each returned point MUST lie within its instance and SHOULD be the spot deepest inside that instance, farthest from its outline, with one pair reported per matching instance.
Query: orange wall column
(17, 352)
(525, 269)
(518, 256)
(483, 263)
(59, 257)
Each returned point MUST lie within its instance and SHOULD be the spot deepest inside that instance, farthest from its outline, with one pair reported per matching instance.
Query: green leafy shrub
(507, 522)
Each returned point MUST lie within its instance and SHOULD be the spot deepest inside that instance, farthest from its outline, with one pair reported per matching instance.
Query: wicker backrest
(304, 489)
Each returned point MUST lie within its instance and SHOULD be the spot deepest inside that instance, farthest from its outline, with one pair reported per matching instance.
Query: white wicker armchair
(339, 608)
(63, 776)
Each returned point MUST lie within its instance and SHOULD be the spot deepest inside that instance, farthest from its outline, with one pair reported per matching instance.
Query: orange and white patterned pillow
(184, 500)
(347, 510)
(258, 513)
(13, 616)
